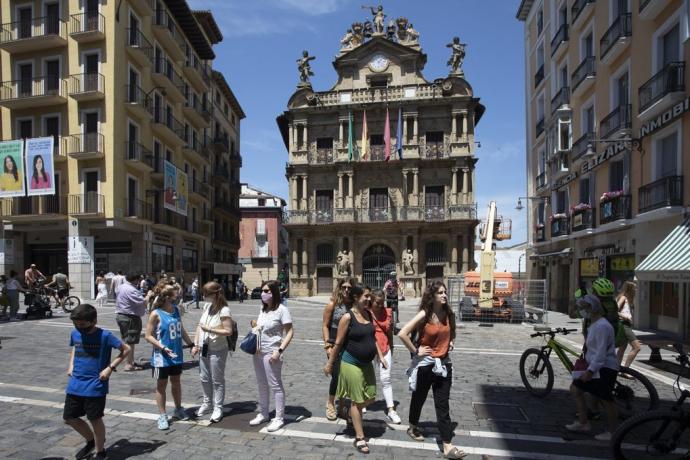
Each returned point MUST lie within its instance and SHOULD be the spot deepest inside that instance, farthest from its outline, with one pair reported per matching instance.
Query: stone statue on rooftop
(390, 30)
(412, 35)
(346, 43)
(304, 68)
(379, 19)
(357, 34)
(458, 56)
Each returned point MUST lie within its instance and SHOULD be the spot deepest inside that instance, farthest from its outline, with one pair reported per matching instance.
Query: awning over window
(670, 260)
(564, 253)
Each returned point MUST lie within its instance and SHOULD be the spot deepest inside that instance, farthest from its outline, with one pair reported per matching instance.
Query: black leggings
(441, 387)
(334, 376)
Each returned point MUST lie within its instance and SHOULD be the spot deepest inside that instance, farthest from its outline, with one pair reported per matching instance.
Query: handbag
(251, 343)
(232, 338)
(580, 367)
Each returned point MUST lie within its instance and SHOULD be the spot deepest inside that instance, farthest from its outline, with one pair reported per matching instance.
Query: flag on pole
(350, 136)
(387, 136)
(399, 134)
(365, 137)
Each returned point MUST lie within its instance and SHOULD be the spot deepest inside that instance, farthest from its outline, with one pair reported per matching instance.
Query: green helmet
(603, 287)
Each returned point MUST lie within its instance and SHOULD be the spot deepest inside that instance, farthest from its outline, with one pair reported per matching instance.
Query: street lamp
(631, 142)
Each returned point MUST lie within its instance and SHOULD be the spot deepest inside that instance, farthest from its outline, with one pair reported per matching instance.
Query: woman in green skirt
(357, 380)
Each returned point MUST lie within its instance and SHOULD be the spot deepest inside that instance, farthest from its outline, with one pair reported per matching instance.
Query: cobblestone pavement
(495, 416)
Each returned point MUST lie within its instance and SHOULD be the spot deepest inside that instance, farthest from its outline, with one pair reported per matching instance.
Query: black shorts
(130, 328)
(162, 373)
(602, 387)
(62, 293)
(78, 406)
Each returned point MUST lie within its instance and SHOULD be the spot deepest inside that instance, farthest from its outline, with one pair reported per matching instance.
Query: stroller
(37, 301)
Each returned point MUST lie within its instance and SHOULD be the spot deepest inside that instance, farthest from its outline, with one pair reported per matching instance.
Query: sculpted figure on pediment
(357, 34)
(457, 56)
(304, 68)
(346, 43)
(379, 19)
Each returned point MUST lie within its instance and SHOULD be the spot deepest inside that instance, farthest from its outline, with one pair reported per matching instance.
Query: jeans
(268, 377)
(385, 376)
(212, 374)
(13, 298)
(333, 387)
(441, 387)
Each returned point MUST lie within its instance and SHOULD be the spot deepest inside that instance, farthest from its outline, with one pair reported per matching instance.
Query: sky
(263, 39)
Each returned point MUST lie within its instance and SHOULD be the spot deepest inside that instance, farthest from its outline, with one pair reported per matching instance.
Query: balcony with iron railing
(138, 102)
(87, 27)
(139, 47)
(168, 33)
(585, 71)
(561, 98)
(138, 156)
(579, 7)
(164, 75)
(620, 119)
(540, 233)
(541, 179)
(664, 192)
(435, 150)
(321, 156)
(89, 203)
(560, 37)
(559, 226)
(377, 153)
(196, 70)
(221, 143)
(221, 172)
(539, 75)
(195, 111)
(581, 145)
(582, 219)
(86, 146)
(30, 207)
(138, 209)
(614, 208)
(389, 94)
(669, 80)
(32, 93)
(615, 38)
(167, 126)
(35, 34)
(86, 87)
(201, 188)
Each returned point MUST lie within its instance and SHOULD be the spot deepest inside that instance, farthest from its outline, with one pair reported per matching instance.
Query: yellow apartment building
(607, 113)
(122, 87)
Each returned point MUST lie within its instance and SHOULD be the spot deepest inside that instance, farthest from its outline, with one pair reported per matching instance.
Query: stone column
(405, 192)
(415, 188)
(350, 191)
(305, 259)
(415, 253)
(295, 258)
(454, 126)
(293, 193)
(404, 129)
(341, 199)
(291, 137)
(340, 132)
(454, 256)
(454, 188)
(464, 125)
(415, 130)
(465, 255)
(465, 183)
(305, 139)
(305, 198)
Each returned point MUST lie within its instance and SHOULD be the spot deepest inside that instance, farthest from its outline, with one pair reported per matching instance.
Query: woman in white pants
(210, 339)
(382, 318)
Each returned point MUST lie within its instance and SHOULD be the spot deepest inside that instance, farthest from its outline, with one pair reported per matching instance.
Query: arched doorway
(378, 261)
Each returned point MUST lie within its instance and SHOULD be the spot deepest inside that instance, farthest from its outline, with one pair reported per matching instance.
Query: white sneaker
(605, 436)
(203, 410)
(393, 417)
(217, 415)
(579, 427)
(364, 410)
(258, 420)
(275, 425)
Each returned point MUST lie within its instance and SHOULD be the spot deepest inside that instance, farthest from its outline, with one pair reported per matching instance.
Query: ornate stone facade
(354, 211)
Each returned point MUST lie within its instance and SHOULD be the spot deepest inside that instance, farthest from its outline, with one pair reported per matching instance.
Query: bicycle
(633, 393)
(658, 433)
(67, 303)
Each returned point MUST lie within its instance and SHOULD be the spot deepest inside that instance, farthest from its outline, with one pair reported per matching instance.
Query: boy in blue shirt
(89, 371)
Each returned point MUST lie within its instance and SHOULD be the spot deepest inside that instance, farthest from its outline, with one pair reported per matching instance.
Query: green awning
(670, 260)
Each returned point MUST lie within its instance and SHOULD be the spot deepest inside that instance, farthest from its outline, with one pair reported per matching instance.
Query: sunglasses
(265, 290)
(346, 287)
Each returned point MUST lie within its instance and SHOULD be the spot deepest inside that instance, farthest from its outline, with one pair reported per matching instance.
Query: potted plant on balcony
(610, 196)
(558, 216)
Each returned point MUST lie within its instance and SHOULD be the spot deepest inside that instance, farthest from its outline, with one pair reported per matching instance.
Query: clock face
(378, 63)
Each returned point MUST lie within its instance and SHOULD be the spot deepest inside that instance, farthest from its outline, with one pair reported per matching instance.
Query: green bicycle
(633, 392)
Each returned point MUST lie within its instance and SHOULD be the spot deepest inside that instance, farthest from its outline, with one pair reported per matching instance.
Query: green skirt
(356, 383)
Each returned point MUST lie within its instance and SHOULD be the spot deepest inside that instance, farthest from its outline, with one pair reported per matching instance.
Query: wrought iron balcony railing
(667, 191)
(670, 79)
(620, 28)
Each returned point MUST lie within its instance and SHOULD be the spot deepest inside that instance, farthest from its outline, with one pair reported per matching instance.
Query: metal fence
(528, 303)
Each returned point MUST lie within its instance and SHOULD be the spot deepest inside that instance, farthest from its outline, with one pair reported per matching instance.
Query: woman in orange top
(382, 318)
(435, 327)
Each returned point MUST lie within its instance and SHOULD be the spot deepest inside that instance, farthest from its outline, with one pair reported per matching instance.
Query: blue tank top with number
(169, 333)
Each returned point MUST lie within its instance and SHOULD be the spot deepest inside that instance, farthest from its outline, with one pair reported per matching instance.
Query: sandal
(361, 445)
(330, 412)
(455, 453)
(415, 434)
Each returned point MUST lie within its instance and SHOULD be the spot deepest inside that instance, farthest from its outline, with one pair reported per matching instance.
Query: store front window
(162, 258)
(621, 269)
(190, 260)
(663, 301)
(589, 271)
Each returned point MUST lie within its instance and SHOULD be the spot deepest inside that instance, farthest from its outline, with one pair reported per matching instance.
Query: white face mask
(585, 314)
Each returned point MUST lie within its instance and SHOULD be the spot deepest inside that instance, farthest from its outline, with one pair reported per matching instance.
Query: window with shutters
(325, 254)
(616, 175)
(378, 204)
(261, 226)
(324, 206)
(666, 156)
(435, 252)
(584, 191)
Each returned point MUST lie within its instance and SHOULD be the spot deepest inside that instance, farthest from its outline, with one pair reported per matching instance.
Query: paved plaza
(496, 417)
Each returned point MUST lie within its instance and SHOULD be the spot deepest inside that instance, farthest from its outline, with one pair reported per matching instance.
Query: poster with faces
(40, 171)
(12, 172)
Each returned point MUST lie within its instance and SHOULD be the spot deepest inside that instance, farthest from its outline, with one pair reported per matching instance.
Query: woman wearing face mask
(357, 380)
(431, 367)
(276, 333)
(339, 305)
(210, 339)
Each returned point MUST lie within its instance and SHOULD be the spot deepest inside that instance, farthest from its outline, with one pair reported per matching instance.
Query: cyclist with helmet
(603, 288)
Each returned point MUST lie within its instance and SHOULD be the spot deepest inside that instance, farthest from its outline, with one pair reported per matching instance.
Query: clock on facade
(378, 63)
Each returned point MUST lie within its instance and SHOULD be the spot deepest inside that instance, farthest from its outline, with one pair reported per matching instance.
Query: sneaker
(415, 434)
(180, 414)
(275, 425)
(258, 420)
(393, 417)
(163, 422)
(100, 455)
(86, 450)
(203, 410)
(364, 410)
(217, 415)
(579, 427)
(605, 436)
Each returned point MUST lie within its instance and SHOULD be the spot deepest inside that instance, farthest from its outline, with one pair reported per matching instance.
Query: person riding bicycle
(61, 283)
(604, 290)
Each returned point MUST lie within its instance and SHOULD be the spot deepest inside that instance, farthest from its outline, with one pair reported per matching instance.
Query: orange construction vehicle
(488, 294)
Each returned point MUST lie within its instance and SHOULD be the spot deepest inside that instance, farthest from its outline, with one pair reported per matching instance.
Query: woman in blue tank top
(165, 332)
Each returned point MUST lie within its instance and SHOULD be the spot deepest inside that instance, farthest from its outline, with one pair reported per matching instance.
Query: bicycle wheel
(652, 435)
(635, 394)
(536, 372)
(70, 303)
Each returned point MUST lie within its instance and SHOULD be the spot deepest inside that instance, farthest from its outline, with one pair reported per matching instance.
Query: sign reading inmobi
(665, 118)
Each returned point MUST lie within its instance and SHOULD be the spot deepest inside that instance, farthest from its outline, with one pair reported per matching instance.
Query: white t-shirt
(271, 323)
(215, 341)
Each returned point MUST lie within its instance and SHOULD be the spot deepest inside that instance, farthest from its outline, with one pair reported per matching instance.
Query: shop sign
(589, 268)
(80, 250)
(665, 118)
(610, 152)
(7, 251)
(623, 263)
(161, 238)
(190, 244)
(564, 180)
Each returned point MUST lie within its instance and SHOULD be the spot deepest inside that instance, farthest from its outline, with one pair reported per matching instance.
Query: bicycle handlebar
(553, 332)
